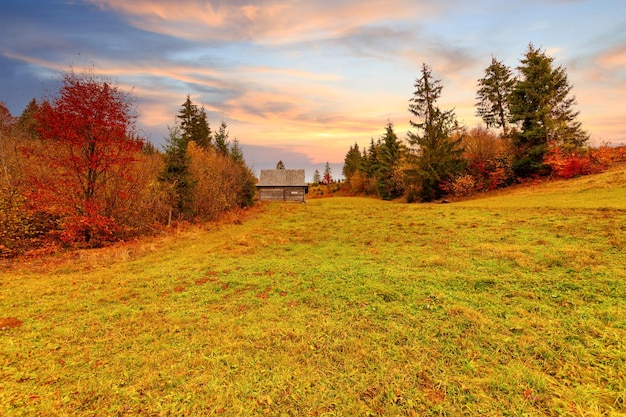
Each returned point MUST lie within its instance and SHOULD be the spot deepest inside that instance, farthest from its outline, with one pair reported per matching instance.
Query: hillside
(510, 304)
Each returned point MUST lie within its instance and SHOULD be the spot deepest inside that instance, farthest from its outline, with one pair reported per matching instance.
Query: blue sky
(302, 81)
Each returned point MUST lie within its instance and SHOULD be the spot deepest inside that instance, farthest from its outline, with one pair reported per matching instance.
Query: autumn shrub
(146, 204)
(222, 184)
(574, 163)
(462, 186)
(21, 228)
(608, 155)
(488, 166)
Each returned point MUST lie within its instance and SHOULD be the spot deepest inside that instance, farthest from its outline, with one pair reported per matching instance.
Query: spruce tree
(193, 124)
(439, 155)
(317, 177)
(27, 123)
(388, 176)
(176, 174)
(541, 106)
(327, 178)
(236, 153)
(352, 162)
(221, 139)
(493, 95)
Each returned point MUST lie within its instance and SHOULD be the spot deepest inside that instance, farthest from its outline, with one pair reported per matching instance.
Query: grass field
(509, 305)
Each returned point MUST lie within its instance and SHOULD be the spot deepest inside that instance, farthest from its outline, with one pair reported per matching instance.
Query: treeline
(531, 131)
(74, 170)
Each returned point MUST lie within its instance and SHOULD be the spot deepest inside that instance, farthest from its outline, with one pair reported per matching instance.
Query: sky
(302, 81)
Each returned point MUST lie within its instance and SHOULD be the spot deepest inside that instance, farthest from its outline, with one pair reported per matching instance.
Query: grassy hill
(510, 304)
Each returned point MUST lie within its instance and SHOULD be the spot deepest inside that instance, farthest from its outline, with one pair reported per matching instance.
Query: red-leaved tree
(88, 145)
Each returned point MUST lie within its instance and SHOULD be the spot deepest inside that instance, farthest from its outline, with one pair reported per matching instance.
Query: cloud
(263, 21)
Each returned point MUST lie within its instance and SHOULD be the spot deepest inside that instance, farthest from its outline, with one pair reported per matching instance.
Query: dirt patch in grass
(10, 323)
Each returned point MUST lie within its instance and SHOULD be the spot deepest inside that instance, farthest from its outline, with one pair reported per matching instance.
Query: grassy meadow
(512, 304)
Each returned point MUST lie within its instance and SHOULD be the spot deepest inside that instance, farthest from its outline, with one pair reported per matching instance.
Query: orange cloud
(271, 21)
(614, 59)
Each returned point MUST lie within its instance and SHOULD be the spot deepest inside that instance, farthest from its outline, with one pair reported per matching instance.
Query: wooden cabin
(282, 185)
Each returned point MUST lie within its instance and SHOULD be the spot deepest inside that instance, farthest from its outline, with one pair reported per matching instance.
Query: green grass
(509, 305)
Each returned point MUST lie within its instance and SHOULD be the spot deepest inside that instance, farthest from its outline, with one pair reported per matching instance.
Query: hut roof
(281, 178)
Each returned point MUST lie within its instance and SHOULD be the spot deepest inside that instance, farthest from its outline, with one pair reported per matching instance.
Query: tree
(439, 155)
(176, 174)
(193, 124)
(352, 162)
(316, 177)
(27, 122)
(221, 139)
(540, 104)
(7, 121)
(236, 152)
(493, 95)
(88, 131)
(327, 178)
(280, 165)
(388, 176)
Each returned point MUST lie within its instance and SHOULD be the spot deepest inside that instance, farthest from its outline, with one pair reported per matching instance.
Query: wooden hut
(282, 185)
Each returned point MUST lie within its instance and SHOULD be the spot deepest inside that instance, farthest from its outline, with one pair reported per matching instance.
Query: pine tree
(541, 106)
(327, 178)
(352, 162)
(221, 139)
(317, 177)
(236, 152)
(193, 124)
(176, 174)
(370, 158)
(439, 155)
(388, 175)
(27, 123)
(280, 165)
(493, 95)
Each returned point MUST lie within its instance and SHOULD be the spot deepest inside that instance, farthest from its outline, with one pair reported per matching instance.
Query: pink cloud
(265, 21)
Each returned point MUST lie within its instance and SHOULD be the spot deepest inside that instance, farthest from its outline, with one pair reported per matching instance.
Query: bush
(572, 164)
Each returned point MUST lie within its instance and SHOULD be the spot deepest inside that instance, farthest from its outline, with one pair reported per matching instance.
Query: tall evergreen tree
(352, 162)
(493, 95)
(327, 178)
(221, 139)
(317, 178)
(176, 174)
(370, 158)
(388, 176)
(236, 152)
(193, 124)
(28, 123)
(439, 155)
(541, 105)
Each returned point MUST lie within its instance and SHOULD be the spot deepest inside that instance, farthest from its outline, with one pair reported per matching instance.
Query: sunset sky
(301, 81)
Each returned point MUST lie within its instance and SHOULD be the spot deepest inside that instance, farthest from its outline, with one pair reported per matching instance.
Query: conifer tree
(317, 177)
(541, 105)
(221, 139)
(327, 178)
(493, 95)
(439, 155)
(176, 174)
(193, 124)
(27, 123)
(280, 165)
(352, 162)
(388, 175)
(236, 152)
